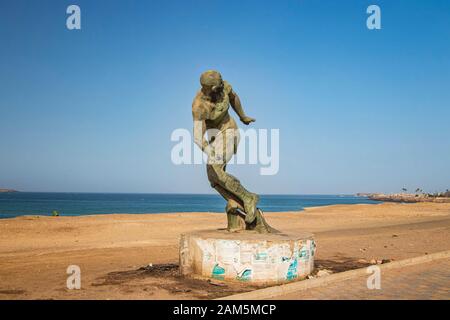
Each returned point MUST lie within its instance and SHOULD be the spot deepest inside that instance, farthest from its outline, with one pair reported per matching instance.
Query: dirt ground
(114, 252)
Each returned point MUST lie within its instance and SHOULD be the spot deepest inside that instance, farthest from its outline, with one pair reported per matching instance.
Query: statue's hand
(213, 157)
(209, 151)
(247, 120)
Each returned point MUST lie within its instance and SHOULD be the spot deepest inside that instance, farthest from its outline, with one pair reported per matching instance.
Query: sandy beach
(110, 249)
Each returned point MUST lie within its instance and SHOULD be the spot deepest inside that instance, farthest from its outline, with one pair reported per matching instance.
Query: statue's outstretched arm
(237, 107)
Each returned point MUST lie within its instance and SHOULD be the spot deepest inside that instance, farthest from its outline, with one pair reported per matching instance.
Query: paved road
(430, 280)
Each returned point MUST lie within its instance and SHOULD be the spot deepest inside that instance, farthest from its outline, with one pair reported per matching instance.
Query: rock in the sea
(7, 190)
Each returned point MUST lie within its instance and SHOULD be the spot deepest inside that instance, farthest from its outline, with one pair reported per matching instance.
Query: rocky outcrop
(408, 197)
(7, 190)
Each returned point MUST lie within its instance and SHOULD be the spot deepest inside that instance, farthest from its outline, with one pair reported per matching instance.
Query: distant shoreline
(125, 214)
(67, 204)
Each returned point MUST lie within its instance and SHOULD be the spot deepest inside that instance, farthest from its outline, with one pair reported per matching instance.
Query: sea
(77, 204)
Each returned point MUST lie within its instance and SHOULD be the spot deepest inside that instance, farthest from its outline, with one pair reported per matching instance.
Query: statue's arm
(199, 116)
(237, 107)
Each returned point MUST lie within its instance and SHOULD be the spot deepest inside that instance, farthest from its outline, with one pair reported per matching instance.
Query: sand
(110, 249)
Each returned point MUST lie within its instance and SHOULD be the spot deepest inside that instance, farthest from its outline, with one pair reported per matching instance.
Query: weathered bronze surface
(211, 116)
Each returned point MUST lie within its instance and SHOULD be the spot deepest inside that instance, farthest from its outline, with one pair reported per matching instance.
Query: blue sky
(92, 110)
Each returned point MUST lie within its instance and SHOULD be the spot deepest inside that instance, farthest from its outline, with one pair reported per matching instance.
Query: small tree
(55, 213)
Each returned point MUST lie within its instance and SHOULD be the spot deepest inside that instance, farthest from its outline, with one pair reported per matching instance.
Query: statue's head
(212, 83)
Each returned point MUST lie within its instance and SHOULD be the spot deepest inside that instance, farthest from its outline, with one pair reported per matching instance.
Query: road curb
(273, 292)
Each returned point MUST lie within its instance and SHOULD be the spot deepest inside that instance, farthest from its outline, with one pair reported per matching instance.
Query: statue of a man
(210, 114)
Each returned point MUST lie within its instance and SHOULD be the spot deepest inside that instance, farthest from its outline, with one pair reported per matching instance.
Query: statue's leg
(235, 216)
(234, 209)
(225, 145)
(218, 176)
(235, 220)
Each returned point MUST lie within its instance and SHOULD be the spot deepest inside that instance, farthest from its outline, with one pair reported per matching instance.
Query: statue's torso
(218, 116)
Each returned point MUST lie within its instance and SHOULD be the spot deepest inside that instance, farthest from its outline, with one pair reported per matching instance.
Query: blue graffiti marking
(246, 275)
(261, 256)
(304, 253)
(218, 272)
(292, 270)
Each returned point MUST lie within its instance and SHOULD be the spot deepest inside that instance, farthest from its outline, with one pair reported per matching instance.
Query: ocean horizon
(78, 203)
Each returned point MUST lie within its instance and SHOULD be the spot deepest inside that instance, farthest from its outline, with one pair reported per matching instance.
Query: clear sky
(92, 110)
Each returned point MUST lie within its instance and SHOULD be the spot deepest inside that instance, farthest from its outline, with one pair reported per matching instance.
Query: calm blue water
(75, 204)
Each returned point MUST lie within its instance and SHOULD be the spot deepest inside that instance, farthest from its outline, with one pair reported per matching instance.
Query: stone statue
(210, 115)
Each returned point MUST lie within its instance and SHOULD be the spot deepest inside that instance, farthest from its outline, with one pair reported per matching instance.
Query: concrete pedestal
(247, 256)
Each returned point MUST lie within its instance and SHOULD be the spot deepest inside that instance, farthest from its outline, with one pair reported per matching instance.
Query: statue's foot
(261, 229)
(235, 217)
(250, 208)
(261, 224)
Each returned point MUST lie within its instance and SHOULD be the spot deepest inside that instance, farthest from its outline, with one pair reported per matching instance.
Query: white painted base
(247, 256)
